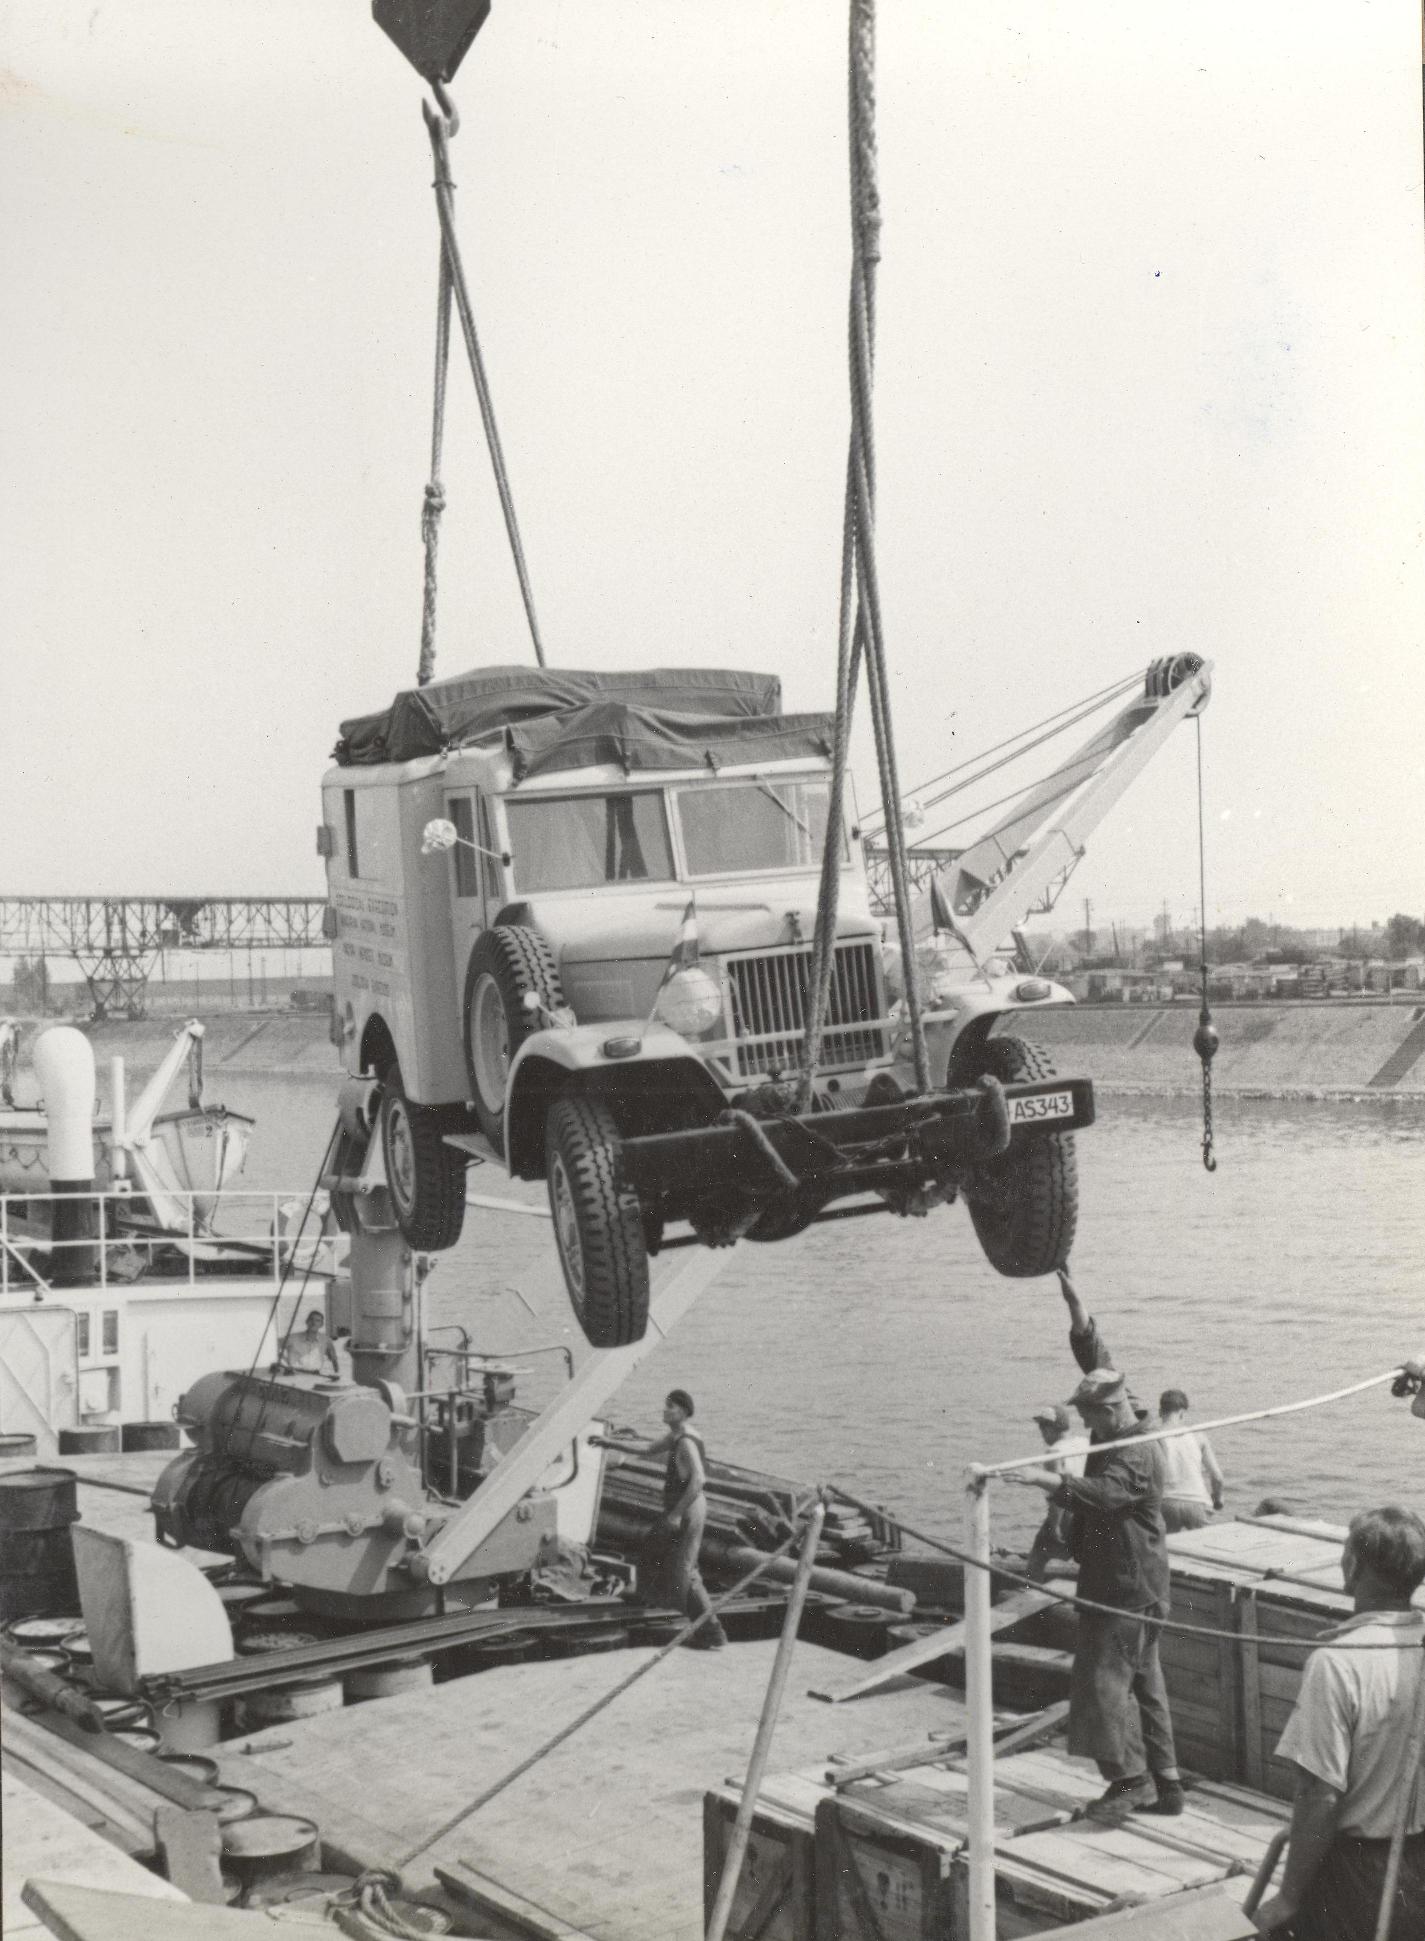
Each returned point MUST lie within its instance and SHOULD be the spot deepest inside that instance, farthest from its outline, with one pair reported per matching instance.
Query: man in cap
(1086, 1342)
(1118, 1701)
(1057, 1428)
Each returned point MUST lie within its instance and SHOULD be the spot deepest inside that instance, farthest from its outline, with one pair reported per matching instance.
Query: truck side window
(494, 886)
(467, 861)
(349, 801)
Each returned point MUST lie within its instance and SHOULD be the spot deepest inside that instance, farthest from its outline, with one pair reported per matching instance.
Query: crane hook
(1205, 1042)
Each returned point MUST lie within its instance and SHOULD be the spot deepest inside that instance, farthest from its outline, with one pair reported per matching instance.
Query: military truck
(573, 918)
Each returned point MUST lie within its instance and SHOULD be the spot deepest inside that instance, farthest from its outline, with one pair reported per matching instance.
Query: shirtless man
(669, 1570)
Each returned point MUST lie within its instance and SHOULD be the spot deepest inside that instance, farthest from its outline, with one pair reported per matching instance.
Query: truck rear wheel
(426, 1177)
(598, 1226)
(1025, 1203)
(507, 965)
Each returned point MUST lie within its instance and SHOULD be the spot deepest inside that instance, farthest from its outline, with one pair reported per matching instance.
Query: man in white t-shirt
(1352, 1741)
(1192, 1476)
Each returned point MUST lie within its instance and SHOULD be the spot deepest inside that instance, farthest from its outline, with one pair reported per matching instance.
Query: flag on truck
(685, 951)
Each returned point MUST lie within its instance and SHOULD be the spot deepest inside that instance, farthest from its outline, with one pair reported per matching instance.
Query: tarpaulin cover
(648, 738)
(449, 713)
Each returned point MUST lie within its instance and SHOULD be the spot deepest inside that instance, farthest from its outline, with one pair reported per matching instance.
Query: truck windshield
(743, 826)
(576, 842)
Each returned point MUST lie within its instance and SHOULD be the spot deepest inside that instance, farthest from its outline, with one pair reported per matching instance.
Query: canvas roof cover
(555, 719)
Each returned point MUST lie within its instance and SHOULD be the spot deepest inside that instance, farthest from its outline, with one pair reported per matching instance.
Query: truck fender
(960, 1038)
(555, 1060)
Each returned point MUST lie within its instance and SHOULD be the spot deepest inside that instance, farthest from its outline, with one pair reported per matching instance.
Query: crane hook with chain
(1205, 1039)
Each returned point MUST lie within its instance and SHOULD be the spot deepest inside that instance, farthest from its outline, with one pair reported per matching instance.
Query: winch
(318, 1483)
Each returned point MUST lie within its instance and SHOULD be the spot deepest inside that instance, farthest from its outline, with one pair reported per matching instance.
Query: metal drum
(390, 1680)
(192, 1765)
(93, 1439)
(270, 1843)
(37, 1577)
(284, 1703)
(134, 1436)
(17, 1445)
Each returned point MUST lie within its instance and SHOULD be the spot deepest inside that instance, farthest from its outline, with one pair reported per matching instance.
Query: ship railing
(257, 1240)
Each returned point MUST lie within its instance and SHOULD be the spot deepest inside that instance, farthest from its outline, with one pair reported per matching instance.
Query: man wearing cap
(670, 1574)
(1118, 1701)
(1086, 1342)
(1056, 1427)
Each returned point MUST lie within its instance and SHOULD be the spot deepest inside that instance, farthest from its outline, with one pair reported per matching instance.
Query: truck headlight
(690, 1003)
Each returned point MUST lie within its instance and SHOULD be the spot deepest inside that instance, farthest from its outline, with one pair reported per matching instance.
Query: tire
(507, 964)
(598, 1226)
(1025, 1203)
(426, 1177)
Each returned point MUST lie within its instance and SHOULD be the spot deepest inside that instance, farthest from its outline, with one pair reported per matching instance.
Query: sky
(1150, 379)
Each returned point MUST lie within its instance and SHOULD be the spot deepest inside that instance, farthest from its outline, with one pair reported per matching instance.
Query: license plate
(1045, 1105)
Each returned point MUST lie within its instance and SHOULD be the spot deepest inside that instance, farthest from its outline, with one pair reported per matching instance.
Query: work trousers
(1118, 1700)
(1343, 1902)
(669, 1576)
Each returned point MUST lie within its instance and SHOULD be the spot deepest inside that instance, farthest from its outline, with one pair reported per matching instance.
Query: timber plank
(77, 1913)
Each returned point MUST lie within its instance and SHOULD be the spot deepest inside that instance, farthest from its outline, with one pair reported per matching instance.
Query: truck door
(476, 890)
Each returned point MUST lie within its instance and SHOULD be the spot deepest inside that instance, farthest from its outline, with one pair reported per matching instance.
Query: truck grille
(767, 1005)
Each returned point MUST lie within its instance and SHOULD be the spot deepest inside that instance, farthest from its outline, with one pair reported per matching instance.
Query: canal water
(885, 1354)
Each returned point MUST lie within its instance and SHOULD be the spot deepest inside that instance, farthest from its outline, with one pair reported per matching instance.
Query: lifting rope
(442, 123)
(860, 637)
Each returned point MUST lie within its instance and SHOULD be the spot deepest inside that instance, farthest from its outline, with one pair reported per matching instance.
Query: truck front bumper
(900, 1150)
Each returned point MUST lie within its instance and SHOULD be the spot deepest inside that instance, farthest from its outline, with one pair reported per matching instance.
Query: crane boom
(988, 891)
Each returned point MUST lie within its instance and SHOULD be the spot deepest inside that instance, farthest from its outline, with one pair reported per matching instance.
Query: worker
(1118, 1701)
(669, 1573)
(1192, 1476)
(311, 1352)
(1353, 1739)
(1055, 1425)
(1087, 1345)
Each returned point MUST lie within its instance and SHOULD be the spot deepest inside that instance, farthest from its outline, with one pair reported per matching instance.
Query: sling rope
(442, 123)
(600, 1704)
(861, 639)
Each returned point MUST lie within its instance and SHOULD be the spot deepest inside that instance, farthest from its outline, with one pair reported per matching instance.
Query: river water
(885, 1354)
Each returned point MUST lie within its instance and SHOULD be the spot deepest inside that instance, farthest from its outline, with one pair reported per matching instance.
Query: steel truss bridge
(116, 940)
(921, 865)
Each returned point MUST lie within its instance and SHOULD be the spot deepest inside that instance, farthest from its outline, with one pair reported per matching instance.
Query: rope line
(441, 126)
(863, 638)
(433, 499)
(1044, 730)
(1204, 1040)
(1255, 1638)
(600, 1704)
(1200, 1428)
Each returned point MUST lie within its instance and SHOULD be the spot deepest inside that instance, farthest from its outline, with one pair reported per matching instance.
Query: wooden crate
(879, 1880)
(1203, 1675)
(776, 1891)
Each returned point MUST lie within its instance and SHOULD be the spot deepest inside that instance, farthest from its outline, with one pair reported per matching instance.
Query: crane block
(434, 35)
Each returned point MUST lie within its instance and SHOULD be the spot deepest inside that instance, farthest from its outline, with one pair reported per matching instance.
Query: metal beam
(129, 926)
(601, 1375)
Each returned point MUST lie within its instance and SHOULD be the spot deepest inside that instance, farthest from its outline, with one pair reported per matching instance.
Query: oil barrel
(37, 1577)
(91, 1439)
(134, 1436)
(17, 1445)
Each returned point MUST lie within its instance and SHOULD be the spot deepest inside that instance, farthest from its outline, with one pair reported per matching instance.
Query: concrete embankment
(1272, 1050)
(1334, 1049)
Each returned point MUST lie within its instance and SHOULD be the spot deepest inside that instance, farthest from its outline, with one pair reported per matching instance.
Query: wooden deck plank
(603, 1835)
(42, 1841)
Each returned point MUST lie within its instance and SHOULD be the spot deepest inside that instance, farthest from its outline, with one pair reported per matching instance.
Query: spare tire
(1025, 1202)
(425, 1176)
(508, 964)
(598, 1226)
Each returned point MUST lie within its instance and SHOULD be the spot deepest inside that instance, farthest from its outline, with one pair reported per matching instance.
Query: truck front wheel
(598, 1226)
(1025, 1203)
(426, 1177)
(508, 964)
